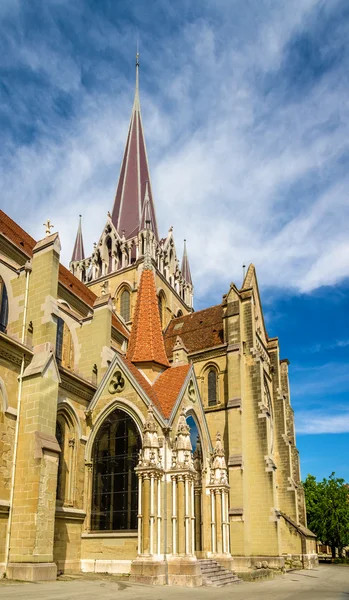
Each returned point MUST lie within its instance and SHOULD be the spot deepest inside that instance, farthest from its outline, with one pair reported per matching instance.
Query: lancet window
(115, 483)
(212, 387)
(3, 306)
(64, 345)
(66, 438)
(125, 301)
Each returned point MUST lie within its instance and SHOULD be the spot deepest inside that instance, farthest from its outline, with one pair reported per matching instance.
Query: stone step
(213, 574)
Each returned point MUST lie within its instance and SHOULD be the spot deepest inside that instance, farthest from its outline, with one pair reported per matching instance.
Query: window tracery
(115, 483)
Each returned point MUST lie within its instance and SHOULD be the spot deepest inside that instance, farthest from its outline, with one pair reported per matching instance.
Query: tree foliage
(327, 504)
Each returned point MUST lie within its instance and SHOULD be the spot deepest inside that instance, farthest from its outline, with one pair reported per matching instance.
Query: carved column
(88, 496)
(150, 473)
(219, 492)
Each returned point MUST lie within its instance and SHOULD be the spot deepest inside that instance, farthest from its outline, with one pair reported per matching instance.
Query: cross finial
(48, 226)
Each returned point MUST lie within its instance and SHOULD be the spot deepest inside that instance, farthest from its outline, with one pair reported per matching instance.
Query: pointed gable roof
(146, 341)
(134, 181)
(185, 265)
(78, 252)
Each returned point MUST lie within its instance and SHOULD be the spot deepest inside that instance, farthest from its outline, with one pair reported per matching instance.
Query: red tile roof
(16, 234)
(198, 330)
(164, 392)
(26, 243)
(146, 340)
(76, 286)
(168, 386)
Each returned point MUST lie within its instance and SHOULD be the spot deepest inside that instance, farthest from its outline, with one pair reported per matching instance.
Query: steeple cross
(48, 226)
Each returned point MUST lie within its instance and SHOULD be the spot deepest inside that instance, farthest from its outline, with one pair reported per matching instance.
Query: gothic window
(162, 308)
(64, 345)
(3, 306)
(270, 418)
(65, 436)
(110, 256)
(212, 387)
(60, 440)
(125, 305)
(115, 483)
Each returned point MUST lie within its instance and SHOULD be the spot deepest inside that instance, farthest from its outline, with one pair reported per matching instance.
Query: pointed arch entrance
(195, 439)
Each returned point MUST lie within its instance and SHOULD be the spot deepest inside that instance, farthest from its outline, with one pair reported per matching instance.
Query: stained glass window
(115, 483)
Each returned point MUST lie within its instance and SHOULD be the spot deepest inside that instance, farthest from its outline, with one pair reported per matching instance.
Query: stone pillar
(181, 513)
(219, 493)
(147, 568)
(146, 513)
(35, 482)
(183, 568)
(88, 496)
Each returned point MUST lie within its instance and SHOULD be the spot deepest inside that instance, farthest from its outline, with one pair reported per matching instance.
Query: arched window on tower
(64, 345)
(162, 308)
(115, 483)
(110, 255)
(212, 387)
(3, 306)
(125, 301)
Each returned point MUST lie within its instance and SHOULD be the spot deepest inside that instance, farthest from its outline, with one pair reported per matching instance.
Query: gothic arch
(122, 303)
(162, 303)
(210, 379)
(122, 404)
(67, 434)
(65, 343)
(115, 452)
(4, 305)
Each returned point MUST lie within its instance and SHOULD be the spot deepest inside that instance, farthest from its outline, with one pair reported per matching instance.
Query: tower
(117, 259)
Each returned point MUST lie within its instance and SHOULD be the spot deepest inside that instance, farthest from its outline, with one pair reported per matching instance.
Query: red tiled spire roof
(78, 252)
(134, 182)
(146, 342)
(185, 265)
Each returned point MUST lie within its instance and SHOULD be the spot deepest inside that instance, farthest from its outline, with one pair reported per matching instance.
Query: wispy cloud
(247, 131)
(323, 346)
(318, 422)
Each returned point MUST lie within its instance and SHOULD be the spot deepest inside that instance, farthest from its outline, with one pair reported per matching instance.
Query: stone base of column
(184, 571)
(148, 570)
(226, 561)
(32, 571)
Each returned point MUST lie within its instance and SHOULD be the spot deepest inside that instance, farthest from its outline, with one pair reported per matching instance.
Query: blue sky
(246, 114)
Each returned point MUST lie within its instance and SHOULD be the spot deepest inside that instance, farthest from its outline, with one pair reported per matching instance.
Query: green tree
(327, 504)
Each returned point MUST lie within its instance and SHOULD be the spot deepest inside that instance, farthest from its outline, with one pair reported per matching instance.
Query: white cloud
(318, 422)
(244, 175)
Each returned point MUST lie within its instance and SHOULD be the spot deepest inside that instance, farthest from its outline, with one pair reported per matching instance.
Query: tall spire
(78, 252)
(185, 265)
(134, 177)
(146, 344)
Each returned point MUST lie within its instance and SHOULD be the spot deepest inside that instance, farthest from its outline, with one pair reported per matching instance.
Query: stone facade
(113, 463)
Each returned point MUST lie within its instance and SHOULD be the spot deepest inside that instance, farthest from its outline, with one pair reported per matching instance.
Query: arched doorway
(198, 463)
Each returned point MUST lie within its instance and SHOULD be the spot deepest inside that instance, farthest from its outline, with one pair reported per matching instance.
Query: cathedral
(138, 436)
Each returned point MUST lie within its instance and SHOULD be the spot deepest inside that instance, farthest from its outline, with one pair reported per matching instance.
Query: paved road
(328, 582)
